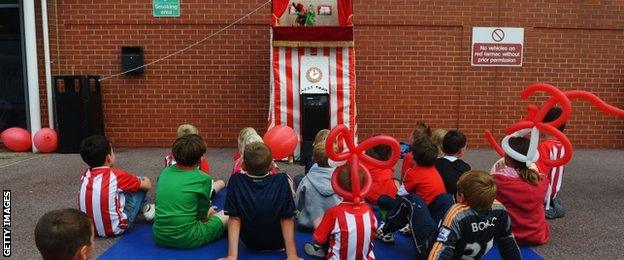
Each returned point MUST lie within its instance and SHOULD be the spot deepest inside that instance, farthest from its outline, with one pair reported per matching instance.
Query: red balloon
(356, 156)
(16, 139)
(46, 140)
(282, 140)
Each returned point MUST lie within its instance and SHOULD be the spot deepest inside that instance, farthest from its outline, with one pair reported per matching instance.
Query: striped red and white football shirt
(349, 229)
(102, 198)
(552, 149)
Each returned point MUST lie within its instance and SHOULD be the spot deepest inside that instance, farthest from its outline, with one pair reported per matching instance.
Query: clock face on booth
(314, 74)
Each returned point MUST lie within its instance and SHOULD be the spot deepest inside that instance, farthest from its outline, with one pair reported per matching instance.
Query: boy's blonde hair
(318, 148)
(251, 138)
(187, 129)
(319, 154)
(478, 188)
(436, 138)
(321, 137)
(243, 134)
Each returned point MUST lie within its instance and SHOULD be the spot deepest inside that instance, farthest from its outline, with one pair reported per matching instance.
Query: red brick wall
(413, 63)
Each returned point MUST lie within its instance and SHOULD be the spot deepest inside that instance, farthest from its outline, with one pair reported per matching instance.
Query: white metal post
(32, 75)
(47, 63)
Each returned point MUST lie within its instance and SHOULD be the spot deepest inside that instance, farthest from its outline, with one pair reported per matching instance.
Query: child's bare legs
(224, 219)
(218, 185)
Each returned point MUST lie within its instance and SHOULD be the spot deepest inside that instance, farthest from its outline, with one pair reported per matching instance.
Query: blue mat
(137, 243)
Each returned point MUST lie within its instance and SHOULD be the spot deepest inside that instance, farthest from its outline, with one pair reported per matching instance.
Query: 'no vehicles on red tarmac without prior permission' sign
(497, 46)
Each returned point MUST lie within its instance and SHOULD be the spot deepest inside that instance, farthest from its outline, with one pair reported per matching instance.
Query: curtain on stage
(279, 7)
(345, 12)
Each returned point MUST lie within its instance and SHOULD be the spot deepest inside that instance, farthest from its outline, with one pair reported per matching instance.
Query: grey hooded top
(315, 195)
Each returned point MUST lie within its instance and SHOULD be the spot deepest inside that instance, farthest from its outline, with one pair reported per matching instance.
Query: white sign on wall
(314, 75)
(497, 46)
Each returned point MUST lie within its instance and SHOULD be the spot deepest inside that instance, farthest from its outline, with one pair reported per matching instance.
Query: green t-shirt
(182, 203)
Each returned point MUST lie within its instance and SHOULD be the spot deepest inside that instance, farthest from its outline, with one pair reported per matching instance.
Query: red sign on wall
(493, 46)
(493, 54)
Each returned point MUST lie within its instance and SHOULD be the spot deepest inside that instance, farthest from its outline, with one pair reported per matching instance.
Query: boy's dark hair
(478, 188)
(59, 234)
(344, 177)
(257, 158)
(521, 145)
(380, 152)
(453, 142)
(552, 115)
(425, 154)
(94, 150)
(188, 150)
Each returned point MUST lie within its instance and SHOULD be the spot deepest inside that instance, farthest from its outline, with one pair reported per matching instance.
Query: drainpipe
(32, 75)
(47, 63)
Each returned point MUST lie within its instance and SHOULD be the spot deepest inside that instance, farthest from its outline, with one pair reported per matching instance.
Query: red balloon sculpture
(533, 121)
(16, 139)
(282, 140)
(46, 140)
(355, 156)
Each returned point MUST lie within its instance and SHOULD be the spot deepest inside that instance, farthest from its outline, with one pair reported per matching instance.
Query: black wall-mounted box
(131, 59)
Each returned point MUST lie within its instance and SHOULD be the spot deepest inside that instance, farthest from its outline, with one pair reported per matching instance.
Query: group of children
(447, 209)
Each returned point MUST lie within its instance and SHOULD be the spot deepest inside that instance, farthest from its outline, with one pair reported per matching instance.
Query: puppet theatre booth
(312, 68)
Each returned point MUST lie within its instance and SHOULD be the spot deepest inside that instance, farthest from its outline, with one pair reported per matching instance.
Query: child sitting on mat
(111, 198)
(470, 227)
(187, 129)
(383, 178)
(248, 139)
(184, 216)
(420, 133)
(242, 135)
(347, 230)
(320, 137)
(450, 166)
(65, 234)
(423, 179)
(260, 206)
(314, 193)
(522, 190)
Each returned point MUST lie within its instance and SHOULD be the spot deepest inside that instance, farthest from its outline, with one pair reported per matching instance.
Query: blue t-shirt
(260, 202)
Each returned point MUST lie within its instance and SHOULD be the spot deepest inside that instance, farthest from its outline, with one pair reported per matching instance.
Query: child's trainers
(386, 238)
(556, 210)
(149, 211)
(312, 249)
(556, 205)
(551, 213)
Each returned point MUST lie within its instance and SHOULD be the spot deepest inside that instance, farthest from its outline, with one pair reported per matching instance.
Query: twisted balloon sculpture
(533, 123)
(354, 157)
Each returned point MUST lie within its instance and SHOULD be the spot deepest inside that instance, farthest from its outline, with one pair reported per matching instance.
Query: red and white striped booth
(331, 37)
